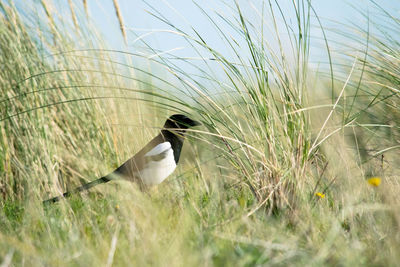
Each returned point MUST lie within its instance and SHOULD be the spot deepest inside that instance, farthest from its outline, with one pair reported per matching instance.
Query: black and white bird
(154, 163)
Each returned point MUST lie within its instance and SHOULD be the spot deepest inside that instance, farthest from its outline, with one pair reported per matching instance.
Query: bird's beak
(195, 123)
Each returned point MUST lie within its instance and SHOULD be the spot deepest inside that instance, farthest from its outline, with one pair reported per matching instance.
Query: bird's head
(180, 122)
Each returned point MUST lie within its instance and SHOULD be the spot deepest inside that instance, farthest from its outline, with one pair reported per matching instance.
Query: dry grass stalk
(85, 6)
(73, 16)
(52, 24)
(119, 16)
(48, 13)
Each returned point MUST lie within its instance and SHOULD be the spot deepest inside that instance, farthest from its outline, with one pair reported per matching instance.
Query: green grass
(274, 134)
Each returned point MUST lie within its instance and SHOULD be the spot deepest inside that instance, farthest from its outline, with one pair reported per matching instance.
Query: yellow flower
(320, 195)
(374, 181)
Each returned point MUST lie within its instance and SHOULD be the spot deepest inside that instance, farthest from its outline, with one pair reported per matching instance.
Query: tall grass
(256, 115)
(380, 80)
(245, 192)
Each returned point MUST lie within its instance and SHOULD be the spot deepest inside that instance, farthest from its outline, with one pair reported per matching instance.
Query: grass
(277, 175)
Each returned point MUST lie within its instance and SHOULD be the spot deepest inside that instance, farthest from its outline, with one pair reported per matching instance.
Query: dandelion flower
(374, 181)
(320, 195)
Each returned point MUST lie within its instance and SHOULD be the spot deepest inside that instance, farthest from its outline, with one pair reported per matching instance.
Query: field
(293, 165)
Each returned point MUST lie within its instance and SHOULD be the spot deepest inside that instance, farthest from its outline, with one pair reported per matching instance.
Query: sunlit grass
(279, 174)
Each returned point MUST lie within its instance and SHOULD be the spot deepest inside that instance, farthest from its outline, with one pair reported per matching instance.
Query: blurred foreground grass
(277, 175)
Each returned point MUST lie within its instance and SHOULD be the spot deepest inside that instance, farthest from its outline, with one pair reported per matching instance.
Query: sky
(183, 13)
(141, 26)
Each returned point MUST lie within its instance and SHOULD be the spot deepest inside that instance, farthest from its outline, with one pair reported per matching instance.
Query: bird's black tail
(79, 189)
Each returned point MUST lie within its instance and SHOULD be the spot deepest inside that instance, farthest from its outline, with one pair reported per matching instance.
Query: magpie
(151, 165)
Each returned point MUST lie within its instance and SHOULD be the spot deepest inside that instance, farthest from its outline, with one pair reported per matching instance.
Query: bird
(153, 163)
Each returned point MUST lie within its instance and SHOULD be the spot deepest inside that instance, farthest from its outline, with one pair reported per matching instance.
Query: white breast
(156, 171)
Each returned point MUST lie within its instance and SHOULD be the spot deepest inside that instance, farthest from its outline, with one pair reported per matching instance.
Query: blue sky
(184, 13)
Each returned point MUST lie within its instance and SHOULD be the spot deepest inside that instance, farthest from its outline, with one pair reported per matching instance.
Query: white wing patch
(157, 171)
(158, 149)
